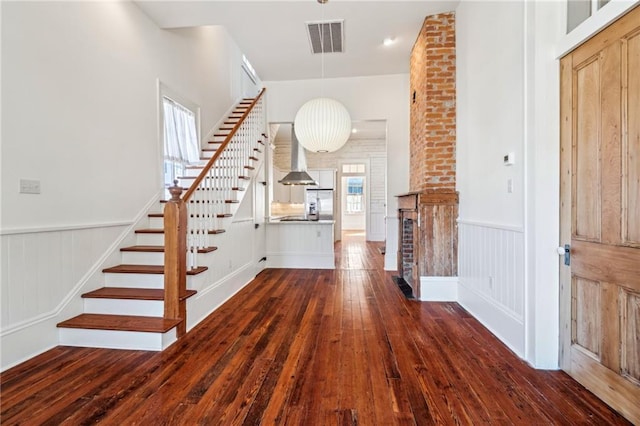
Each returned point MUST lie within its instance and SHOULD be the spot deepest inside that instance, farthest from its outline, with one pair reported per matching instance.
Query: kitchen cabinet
(324, 177)
(286, 193)
(300, 245)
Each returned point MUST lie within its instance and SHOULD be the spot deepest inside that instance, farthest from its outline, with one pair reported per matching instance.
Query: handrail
(219, 151)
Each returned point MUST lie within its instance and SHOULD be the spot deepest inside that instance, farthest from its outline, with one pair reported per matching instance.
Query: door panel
(600, 200)
(631, 182)
(631, 341)
(586, 154)
(587, 315)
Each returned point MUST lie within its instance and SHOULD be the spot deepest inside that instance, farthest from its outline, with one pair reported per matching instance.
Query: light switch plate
(509, 159)
(28, 186)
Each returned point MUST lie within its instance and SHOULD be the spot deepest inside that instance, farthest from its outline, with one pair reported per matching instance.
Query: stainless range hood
(298, 174)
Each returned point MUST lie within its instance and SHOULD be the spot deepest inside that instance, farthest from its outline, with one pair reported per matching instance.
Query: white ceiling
(272, 34)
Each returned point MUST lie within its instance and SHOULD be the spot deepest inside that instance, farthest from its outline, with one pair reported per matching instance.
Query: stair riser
(134, 280)
(158, 239)
(111, 339)
(150, 308)
(148, 280)
(156, 222)
(150, 239)
(142, 258)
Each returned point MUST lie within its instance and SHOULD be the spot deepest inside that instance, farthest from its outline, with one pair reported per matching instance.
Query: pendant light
(322, 124)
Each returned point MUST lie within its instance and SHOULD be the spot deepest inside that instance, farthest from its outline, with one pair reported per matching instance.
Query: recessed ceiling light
(388, 41)
(354, 130)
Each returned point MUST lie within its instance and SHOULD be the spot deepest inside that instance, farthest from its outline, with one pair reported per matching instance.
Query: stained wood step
(197, 215)
(121, 323)
(195, 202)
(147, 269)
(130, 293)
(161, 230)
(160, 249)
(235, 188)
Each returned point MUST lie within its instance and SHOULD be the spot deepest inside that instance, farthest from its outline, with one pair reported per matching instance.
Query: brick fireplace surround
(429, 248)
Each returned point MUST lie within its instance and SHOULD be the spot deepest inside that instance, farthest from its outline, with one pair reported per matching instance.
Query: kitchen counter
(301, 222)
(300, 244)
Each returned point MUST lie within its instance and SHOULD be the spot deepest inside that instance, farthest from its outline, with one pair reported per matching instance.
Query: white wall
(490, 124)
(366, 98)
(508, 102)
(79, 98)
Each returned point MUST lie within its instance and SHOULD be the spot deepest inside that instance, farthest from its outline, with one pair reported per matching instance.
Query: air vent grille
(326, 36)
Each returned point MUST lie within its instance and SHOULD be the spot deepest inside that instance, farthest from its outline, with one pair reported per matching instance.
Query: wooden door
(600, 214)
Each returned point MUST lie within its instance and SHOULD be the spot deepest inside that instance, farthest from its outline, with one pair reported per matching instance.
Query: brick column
(433, 106)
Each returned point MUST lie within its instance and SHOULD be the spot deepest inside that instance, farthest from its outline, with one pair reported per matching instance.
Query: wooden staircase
(129, 312)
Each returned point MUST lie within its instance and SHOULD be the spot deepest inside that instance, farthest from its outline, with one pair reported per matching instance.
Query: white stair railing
(209, 199)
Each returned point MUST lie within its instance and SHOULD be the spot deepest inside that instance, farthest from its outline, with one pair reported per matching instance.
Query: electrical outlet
(318, 234)
(490, 282)
(510, 186)
(29, 186)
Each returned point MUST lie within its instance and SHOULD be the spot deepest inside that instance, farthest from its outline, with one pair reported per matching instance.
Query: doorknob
(566, 252)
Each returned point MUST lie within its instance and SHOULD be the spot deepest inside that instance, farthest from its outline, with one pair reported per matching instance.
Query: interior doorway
(353, 199)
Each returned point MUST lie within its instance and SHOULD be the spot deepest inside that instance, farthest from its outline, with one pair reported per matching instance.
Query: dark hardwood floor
(303, 347)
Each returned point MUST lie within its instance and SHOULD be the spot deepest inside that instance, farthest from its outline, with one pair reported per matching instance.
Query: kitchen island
(300, 244)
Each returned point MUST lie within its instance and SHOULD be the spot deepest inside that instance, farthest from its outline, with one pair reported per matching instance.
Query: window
(579, 11)
(181, 146)
(353, 169)
(249, 69)
(355, 195)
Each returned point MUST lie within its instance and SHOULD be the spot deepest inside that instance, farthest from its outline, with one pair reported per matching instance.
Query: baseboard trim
(300, 261)
(508, 328)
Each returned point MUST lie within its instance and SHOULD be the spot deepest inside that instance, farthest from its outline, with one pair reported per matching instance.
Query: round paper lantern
(322, 125)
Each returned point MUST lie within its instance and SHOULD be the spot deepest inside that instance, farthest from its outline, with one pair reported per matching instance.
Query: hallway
(306, 347)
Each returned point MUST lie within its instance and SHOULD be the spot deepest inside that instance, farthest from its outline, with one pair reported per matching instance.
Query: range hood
(298, 174)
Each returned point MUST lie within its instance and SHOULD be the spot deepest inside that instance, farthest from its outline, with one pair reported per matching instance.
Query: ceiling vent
(326, 36)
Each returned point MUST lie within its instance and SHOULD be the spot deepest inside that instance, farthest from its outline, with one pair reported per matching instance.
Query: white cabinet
(281, 193)
(324, 177)
(286, 193)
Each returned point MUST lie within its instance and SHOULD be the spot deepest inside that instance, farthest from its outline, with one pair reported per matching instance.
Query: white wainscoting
(391, 245)
(40, 272)
(231, 267)
(491, 279)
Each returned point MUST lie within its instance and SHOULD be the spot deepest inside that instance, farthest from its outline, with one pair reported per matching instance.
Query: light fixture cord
(322, 27)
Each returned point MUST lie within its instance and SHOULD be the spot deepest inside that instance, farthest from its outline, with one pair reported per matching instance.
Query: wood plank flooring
(303, 347)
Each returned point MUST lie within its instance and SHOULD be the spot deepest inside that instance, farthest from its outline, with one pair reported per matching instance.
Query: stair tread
(158, 215)
(121, 323)
(130, 293)
(161, 230)
(160, 249)
(147, 269)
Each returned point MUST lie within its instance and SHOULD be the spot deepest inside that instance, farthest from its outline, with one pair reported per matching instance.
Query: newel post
(175, 260)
